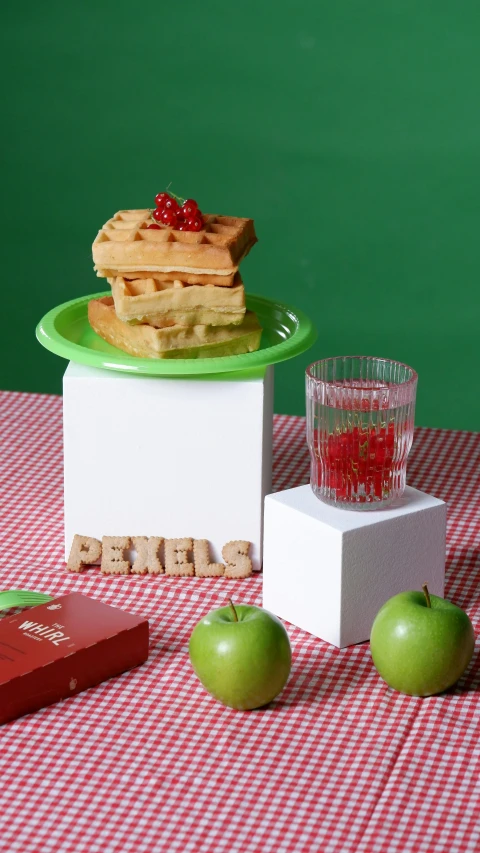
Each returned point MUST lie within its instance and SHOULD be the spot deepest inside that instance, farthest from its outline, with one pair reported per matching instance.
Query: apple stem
(427, 594)
(235, 617)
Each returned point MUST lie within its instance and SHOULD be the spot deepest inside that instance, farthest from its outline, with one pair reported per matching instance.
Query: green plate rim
(302, 339)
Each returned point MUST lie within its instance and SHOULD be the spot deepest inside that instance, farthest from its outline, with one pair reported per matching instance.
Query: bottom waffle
(160, 304)
(173, 341)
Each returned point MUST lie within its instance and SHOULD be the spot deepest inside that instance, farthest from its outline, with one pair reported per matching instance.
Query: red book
(60, 648)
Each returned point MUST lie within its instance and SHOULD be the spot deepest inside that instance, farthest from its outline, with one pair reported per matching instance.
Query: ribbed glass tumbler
(360, 415)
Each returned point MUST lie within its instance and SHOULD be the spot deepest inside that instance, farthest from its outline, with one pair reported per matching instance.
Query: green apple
(420, 643)
(241, 655)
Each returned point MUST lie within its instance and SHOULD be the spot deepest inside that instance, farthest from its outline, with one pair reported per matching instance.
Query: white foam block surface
(329, 570)
(170, 457)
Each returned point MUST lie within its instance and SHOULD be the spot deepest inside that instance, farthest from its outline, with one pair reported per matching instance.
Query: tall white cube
(171, 457)
(329, 570)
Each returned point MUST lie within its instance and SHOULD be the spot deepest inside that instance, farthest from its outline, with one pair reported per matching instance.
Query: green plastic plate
(65, 331)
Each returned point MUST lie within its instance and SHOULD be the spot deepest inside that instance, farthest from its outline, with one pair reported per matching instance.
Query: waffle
(174, 341)
(187, 278)
(125, 244)
(160, 304)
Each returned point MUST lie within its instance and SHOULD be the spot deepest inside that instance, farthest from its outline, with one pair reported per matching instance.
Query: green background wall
(350, 132)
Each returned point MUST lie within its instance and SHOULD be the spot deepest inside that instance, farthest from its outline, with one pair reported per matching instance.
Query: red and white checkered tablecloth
(150, 762)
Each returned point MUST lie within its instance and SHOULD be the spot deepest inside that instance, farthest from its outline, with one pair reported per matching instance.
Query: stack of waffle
(175, 294)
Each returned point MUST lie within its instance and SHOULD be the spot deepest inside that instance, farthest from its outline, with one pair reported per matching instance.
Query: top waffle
(126, 244)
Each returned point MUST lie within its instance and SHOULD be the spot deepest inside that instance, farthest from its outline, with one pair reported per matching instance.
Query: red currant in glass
(156, 227)
(161, 198)
(189, 208)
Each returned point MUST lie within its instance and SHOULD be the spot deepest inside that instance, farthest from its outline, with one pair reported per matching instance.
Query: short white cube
(169, 457)
(329, 570)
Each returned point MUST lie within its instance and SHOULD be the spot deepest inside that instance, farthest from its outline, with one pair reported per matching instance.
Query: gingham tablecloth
(149, 761)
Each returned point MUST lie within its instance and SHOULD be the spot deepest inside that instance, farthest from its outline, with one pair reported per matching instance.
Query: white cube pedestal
(170, 457)
(329, 570)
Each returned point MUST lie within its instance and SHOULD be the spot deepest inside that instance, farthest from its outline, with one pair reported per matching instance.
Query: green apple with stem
(421, 644)
(242, 655)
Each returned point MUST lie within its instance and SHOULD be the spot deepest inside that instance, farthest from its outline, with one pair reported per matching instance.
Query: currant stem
(178, 197)
(427, 594)
(235, 617)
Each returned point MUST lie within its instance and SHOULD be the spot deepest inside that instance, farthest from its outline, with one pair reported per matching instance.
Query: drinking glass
(360, 415)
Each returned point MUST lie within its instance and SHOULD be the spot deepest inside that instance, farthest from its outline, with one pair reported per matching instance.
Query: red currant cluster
(359, 464)
(181, 214)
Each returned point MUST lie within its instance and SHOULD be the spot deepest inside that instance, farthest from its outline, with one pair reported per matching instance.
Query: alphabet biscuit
(201, 557)
(176, 558)
(147, 560)
(85, 550)
(113, 557)
(235, 554)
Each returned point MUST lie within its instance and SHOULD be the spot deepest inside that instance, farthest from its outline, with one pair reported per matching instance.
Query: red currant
(157, 227)
(157, 214)
(161, 198)
(181, 224)
(189, 208)
(171, 204)
(168, 217)
(378, 485)
(195, 223)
